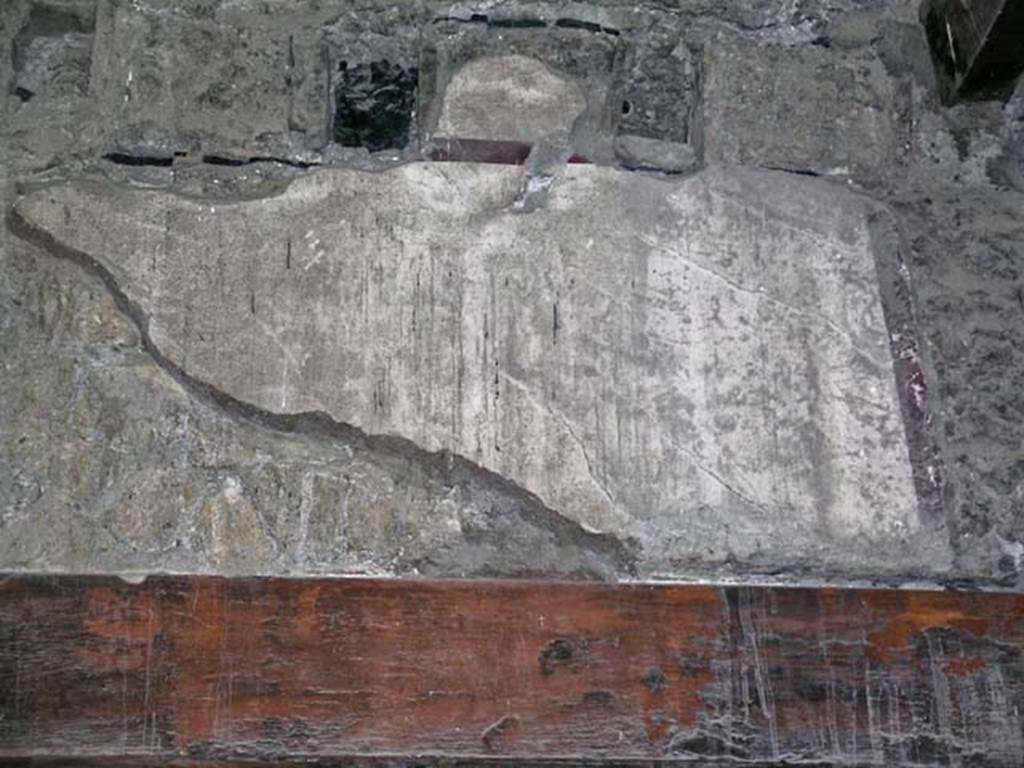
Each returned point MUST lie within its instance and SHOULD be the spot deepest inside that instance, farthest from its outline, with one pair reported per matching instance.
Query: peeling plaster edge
(622, 556)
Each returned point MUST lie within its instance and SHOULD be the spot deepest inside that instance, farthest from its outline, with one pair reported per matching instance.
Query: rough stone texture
(953, 180)
(509, 98)
(836, 116)
(112, 464)
(574, 72)
(107, 459)
(178, 80)
(967, 254)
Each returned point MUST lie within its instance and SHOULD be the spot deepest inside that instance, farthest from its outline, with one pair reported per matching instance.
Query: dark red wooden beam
(204, 669)
(484, 151)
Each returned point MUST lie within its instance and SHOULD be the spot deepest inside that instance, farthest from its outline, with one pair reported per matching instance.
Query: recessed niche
(374, 104)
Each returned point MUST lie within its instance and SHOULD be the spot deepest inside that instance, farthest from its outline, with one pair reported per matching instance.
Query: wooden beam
(977, 46)
(201, 669)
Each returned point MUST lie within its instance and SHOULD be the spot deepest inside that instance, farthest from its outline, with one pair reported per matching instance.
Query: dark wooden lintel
(202, 670)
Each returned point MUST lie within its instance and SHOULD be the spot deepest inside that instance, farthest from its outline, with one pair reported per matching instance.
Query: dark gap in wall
(237, 161)
(529, 23)
(281, 161)
(797, 171)
(517, 23)
(220, 160)
(122, 158)
(374, 105)
(948, 57)
(975, 47)
(587, 26)
(166, 161)
(476, 18)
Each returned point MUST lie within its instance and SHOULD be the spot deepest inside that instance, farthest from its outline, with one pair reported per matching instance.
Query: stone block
(509, 98)
(171, 80)
(806, 109)
(699, 365)
(567, 76)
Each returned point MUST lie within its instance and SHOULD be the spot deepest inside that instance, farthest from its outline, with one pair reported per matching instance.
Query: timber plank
(208, 669)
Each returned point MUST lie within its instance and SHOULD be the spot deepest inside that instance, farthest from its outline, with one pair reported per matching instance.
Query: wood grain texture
(211, 669)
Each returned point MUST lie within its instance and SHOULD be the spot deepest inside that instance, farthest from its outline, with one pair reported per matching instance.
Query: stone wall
(687, 290)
